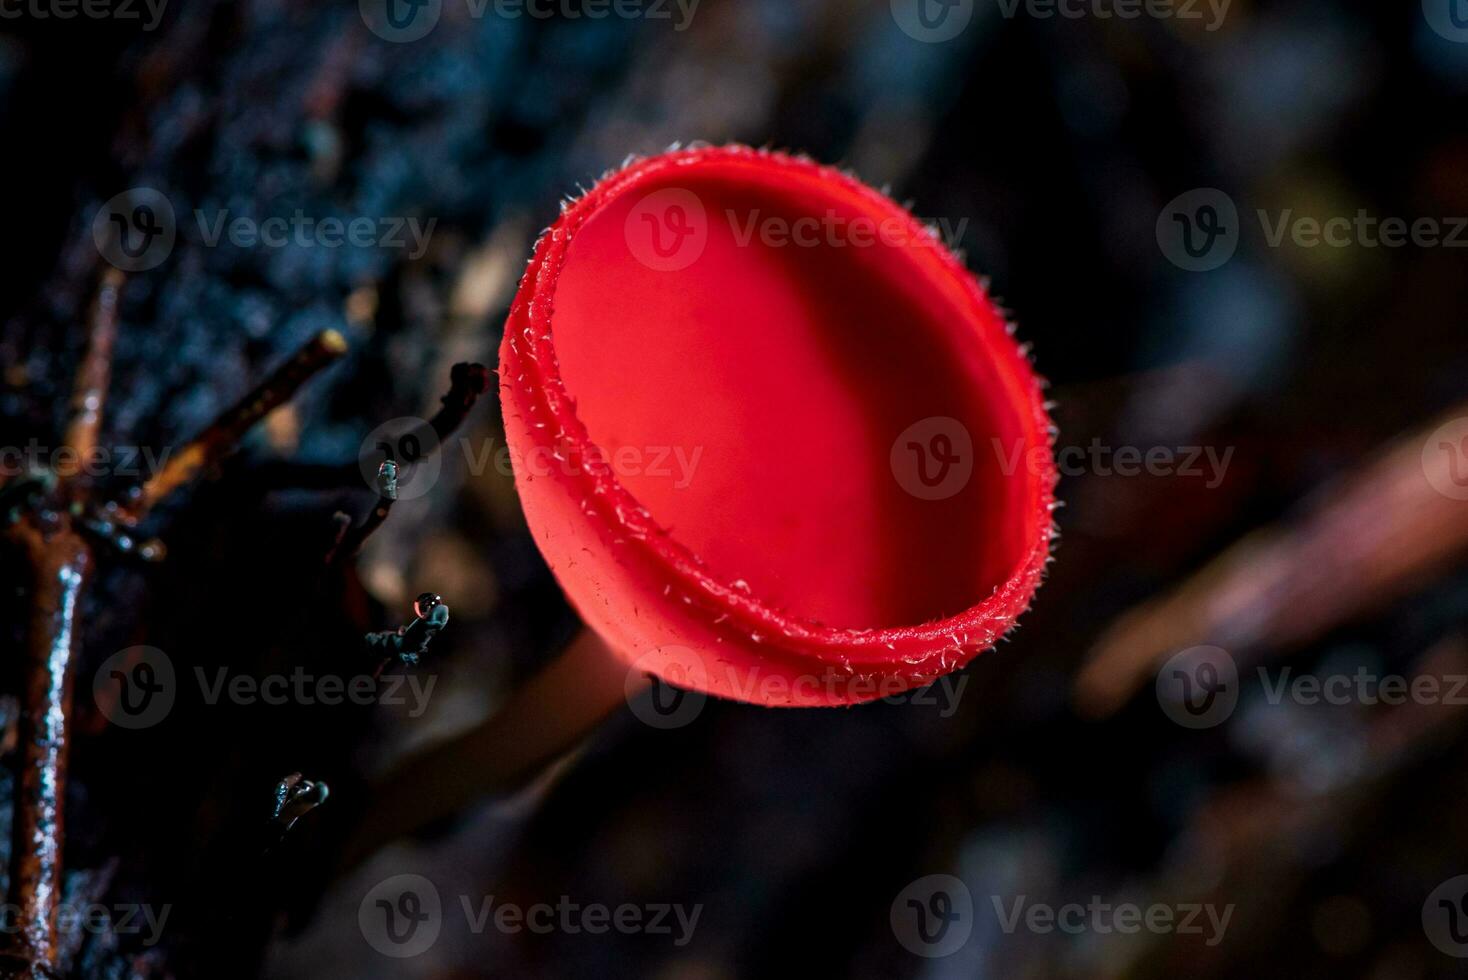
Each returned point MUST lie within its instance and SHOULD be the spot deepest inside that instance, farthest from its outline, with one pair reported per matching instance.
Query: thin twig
(349, 541)
(89, 393)
(48, 524)
(221, 436)
(61, 563)
(466, 383)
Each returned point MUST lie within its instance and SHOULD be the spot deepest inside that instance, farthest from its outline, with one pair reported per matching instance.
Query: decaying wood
(60, 562)
(52, 532)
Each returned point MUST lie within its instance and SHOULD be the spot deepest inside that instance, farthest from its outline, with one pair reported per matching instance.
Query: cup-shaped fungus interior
(770, 364)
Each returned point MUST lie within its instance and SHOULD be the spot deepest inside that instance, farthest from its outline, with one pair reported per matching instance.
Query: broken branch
(221, 436)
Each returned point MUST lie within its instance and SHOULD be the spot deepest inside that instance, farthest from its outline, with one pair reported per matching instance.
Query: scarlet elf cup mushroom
(841, 385)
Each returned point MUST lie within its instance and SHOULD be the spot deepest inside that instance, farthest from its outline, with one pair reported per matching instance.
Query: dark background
(1060, 142)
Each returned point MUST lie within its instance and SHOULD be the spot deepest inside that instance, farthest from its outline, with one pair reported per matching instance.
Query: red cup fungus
(774, 440)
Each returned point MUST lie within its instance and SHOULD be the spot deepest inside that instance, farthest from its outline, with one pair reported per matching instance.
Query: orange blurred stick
(1371, 539)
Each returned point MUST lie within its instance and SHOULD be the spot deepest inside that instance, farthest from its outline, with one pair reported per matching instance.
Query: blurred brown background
(1321, 537)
